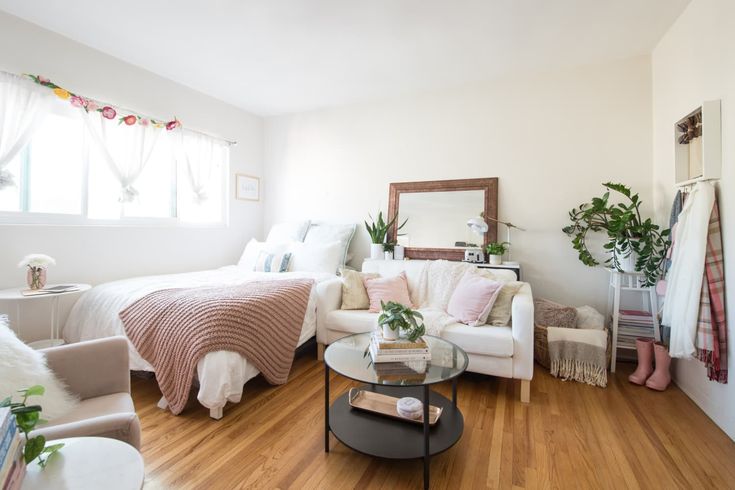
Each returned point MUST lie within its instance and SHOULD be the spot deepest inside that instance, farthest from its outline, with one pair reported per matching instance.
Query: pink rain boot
(660, 378)
(645, 361)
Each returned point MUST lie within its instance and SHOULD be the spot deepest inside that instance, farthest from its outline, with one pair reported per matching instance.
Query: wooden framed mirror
(437, 213)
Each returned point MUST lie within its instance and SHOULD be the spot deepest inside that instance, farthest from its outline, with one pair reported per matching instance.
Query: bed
(221, 374)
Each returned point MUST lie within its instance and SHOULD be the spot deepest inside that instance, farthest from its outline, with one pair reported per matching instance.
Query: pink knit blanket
(174, 328)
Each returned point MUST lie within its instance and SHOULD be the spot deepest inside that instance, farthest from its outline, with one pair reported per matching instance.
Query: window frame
(26, 217)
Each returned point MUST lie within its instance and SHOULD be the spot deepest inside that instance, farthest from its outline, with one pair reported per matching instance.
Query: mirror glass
(439, 219)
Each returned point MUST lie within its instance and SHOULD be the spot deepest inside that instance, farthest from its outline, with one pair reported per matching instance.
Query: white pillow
(254, 247)
(316, 257)
(288, 232)
(22, 367)
(326, 233)
(589, 318)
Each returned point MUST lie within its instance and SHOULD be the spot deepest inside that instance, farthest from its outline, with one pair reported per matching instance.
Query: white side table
(14, 295)
(88, 463)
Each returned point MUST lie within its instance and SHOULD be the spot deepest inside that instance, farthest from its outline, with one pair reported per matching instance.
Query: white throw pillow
(252, 251)
(316, 257)
(326, 233)
(22, 367)
(288, 232)
(589, 318)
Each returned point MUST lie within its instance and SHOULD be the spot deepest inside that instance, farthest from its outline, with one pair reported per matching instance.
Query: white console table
(15, 296)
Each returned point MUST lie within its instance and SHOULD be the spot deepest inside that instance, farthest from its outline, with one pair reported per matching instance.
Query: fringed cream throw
(579, 355)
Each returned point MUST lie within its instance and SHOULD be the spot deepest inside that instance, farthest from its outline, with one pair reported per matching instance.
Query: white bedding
(221, 374)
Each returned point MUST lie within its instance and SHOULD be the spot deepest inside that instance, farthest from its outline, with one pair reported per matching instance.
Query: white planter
(398, 252)
(627, 264)
(495, 259)
(389, 334)
(388, 255)
(376, 251)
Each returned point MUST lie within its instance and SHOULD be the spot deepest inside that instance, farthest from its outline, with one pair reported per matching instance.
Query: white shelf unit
(633, 282)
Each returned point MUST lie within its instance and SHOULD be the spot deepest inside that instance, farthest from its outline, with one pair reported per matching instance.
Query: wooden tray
(385, 405)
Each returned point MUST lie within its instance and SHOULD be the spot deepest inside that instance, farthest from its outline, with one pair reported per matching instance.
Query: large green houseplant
(378, 230)
(627, 232)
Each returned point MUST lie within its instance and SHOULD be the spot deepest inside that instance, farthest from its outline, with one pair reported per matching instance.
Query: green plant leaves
(35, 390)
(33, 448)
(397, 316)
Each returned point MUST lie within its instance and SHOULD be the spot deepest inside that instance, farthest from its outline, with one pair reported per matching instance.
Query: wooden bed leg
(162, 403)
(525, 391)
(319, 351)
(216, 413)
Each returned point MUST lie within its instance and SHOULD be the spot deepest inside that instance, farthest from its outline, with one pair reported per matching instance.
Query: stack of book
(12, 467)
(62, 288)
(633, 324)
(382, 350)
(389, 372)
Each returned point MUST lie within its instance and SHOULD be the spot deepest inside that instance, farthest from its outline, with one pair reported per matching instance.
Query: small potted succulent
(388, 249)
(396, 317)
(495, 252)
(378, 231)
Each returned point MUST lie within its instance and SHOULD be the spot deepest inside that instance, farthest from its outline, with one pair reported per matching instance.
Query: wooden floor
(570, 436)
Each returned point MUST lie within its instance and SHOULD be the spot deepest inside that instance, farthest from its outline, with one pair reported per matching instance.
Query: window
(62, 176)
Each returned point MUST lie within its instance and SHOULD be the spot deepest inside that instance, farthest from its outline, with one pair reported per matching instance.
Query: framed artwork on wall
(247, 187)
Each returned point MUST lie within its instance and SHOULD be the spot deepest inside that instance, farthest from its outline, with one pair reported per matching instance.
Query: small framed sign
(247, 187)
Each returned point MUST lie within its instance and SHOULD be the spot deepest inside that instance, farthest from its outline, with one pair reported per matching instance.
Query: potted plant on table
(378, 230)
(634, 244)
(37, 265)
(395, 317)
(495, 252)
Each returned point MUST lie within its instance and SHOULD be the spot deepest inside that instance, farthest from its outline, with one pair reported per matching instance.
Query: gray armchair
(97, 371)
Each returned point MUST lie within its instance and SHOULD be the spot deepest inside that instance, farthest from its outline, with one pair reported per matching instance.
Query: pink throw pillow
(473, 298)
(387, 289)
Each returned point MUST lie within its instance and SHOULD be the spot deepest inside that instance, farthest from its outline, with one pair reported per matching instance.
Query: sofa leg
(319, 351)
(525, 391)
(216, 413)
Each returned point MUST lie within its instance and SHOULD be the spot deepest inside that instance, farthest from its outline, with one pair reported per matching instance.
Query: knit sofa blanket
(173, 329)
(578, 354)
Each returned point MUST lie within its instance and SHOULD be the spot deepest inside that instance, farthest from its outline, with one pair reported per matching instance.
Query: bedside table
(15, 295)
(511, 266)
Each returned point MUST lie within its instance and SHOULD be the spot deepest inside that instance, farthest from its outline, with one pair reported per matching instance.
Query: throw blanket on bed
(578, 354)
(174, 328)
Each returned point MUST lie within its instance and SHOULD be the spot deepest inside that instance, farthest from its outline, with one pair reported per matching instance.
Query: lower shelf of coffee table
(384, 437)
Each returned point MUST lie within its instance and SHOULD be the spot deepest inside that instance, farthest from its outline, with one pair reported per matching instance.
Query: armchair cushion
(483, 340)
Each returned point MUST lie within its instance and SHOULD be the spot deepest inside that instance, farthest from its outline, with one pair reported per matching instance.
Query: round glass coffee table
(383, 435)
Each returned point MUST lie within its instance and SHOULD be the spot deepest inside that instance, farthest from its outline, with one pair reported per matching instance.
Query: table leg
(454, 392)
(54, 317)
(427, 460)
(326, 408)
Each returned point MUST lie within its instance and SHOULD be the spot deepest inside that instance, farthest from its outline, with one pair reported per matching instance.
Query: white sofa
(505, 351)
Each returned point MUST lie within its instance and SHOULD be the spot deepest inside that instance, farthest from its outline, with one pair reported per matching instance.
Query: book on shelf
(12, 467)
(62, 288)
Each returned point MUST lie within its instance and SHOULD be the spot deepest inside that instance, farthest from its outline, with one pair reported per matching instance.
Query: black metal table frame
(427, 427)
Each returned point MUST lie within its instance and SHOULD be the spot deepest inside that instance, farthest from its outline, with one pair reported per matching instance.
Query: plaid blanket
(711, 341)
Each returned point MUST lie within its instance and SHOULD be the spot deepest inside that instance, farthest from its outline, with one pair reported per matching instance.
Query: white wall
(97, 254)
(551, 139)
(693, 63)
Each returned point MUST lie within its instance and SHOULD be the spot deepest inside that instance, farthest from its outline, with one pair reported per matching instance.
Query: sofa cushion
(473, 298)
(387, 268)
(385, 289)
(483, 340)
(354, 295)
(352, 321)
(96, 407)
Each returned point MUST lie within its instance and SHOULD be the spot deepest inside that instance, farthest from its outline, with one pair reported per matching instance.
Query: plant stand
(629, 281)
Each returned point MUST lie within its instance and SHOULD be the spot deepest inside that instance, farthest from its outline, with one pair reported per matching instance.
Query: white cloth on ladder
(684, 284)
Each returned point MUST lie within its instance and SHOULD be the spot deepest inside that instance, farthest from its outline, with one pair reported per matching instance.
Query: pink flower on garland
(108, 112)
(143, 121)
(171, 125)
(92, 105)
(77, 101)
(130, 120)
(43, 80)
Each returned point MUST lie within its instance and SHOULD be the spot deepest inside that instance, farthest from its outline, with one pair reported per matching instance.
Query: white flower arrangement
(37, 261)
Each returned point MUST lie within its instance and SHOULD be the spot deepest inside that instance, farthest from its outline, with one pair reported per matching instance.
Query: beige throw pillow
(551, 314)
(354, 295)
(500, 314)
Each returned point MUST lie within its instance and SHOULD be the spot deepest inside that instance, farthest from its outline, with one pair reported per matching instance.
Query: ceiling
(277, 56)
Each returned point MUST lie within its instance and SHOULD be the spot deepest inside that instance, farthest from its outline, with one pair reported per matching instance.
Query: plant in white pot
(396, 317)
(495, 252)
(378, 230)
(634, 243)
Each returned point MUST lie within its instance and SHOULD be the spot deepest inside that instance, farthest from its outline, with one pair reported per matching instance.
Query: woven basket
(541, 346)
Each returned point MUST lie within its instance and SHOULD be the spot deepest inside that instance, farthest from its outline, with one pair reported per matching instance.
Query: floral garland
(107, 111)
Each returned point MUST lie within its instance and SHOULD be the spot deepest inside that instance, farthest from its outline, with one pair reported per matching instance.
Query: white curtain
(198, 153)
(23, 105)
(125, 149)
